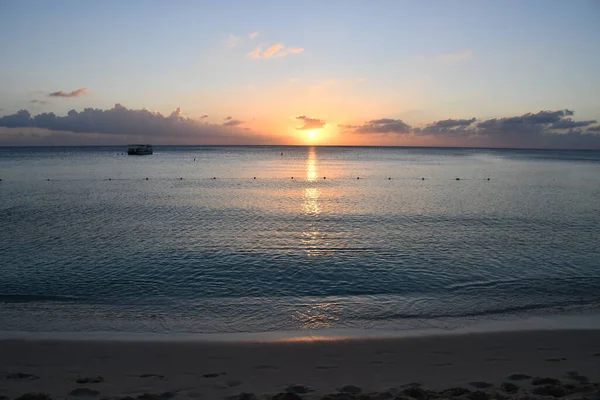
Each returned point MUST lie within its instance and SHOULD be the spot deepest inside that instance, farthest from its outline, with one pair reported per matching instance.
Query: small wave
(479, 313)
(26, 298)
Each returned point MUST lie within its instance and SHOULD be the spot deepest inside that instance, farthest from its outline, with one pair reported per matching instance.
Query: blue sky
(342, 62)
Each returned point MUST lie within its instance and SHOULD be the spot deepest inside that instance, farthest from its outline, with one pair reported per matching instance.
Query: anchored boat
(139, 149)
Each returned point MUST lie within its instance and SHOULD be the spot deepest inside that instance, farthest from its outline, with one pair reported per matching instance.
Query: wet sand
(486, 364)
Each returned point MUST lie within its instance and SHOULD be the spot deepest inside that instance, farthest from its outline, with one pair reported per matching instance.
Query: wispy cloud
(233, 122)
(455, 58)
(204, 116)
(74, 93)
(253, 35)
(309, 123)
(233, 40)
(277, 50)
(255, 53)
(271, 51)
(38, 102)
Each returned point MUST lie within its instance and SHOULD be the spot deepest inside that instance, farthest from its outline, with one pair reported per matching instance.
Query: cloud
(383, 125)
(120, 124)
(253, 35)
(74, 93)
(38, 102)
(256, 52)
(228, 118)
(592, 129)
(452, 123)
(310, 123)
(233, 40)
(204, 116)
(232, 122)
(543, 129)
(455, 58)
(568, 123)
(271, 51)
(445, 126)
(277, 50)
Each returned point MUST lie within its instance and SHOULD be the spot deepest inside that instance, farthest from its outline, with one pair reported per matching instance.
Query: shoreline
(215, 370)
(570, 322)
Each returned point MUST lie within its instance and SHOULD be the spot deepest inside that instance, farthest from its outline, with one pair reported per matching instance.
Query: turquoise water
(87, 244)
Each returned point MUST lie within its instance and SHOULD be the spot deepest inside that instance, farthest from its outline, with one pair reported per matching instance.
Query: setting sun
(312, 134)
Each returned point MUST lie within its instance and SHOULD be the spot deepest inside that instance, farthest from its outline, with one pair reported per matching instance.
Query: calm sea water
(97, 247)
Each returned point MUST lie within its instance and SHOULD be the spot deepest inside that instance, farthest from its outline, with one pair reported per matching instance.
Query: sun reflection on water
(312, 174)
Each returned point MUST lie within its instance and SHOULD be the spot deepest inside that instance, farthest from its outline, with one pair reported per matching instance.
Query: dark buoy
(146, 178)
(48, 179)
(214, 177)
(292, 177)
(324, 177)
(109, 179)
(194, 159)
(282, 153)
(180, 179)
(458, 179)
(358, 177)
(389, 179)
(422, 179)
(488, 179)
(254, 177)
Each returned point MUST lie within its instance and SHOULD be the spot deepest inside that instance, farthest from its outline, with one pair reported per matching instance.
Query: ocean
(257, 239)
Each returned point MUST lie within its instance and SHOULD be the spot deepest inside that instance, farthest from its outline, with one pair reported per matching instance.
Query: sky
(378, 72)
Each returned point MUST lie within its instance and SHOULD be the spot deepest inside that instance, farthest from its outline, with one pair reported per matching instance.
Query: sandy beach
(485, 365)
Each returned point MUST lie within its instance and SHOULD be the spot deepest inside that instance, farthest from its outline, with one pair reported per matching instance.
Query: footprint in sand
(158, 376)
(326, 367)
(299, 389)
(20, 376)
(157, 396)
(34, 396)
(84, 392)
(95, 379)
(214, 374)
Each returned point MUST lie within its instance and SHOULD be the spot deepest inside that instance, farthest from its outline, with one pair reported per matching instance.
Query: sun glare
(312, 134)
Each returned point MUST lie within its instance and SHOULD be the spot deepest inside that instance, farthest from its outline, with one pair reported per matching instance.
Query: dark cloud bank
(118, 125)
(552, 129)
(544, 129)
